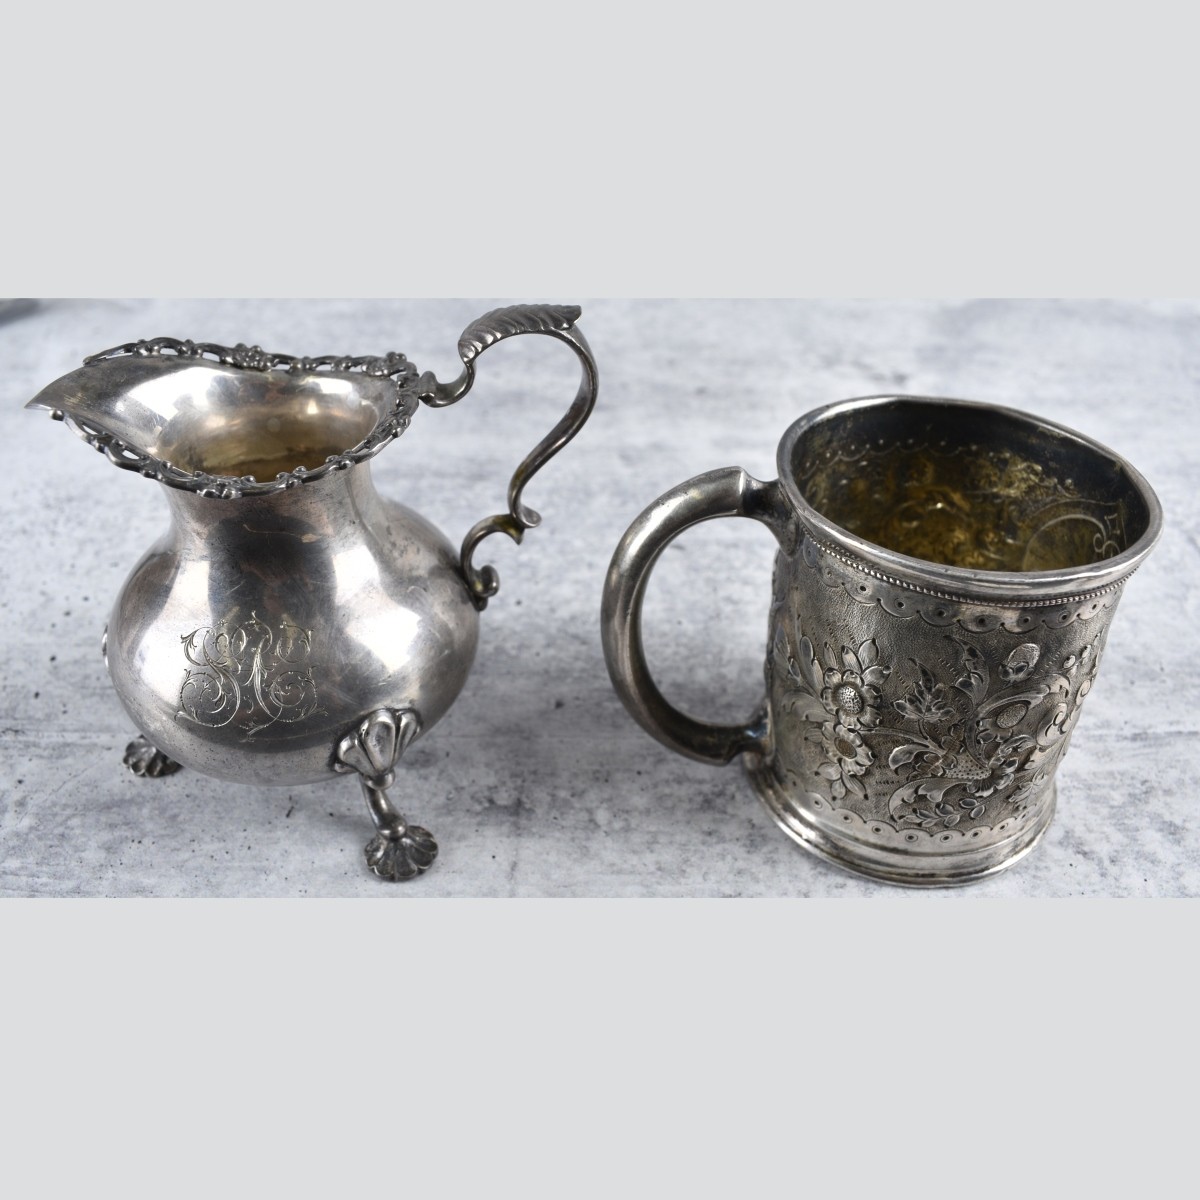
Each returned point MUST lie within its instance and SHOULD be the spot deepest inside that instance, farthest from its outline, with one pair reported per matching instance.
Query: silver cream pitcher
(292, 623)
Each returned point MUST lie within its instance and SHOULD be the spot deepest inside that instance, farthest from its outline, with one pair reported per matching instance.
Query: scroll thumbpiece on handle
(559, 322)
(728, 492)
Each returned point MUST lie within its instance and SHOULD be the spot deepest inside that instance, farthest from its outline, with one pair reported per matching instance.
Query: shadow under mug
(946, 577)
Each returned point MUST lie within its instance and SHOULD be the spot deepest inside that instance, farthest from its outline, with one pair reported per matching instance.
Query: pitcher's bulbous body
(257, 631)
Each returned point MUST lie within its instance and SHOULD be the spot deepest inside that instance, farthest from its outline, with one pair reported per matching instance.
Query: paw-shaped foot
(403, 856)
(148, 761)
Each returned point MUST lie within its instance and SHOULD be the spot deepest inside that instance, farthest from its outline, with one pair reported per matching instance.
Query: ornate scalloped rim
(252, 358)
(976, 615)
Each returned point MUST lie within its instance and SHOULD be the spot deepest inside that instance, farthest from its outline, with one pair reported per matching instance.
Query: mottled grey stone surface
(537, 783)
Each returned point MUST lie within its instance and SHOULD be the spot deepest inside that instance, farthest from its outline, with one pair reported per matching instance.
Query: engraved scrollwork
(250, 673)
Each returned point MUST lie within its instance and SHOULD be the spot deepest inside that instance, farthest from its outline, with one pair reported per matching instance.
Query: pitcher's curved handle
(558, 321)
(729, 492)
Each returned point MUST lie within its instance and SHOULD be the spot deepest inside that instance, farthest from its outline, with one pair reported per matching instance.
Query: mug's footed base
(147, 761)
(406, 855)
(903, 866)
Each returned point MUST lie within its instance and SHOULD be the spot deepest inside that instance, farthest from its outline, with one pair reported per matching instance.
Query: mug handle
(557, 321)
(728, 492)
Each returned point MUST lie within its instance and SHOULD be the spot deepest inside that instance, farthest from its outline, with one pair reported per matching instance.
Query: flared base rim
(890, 867)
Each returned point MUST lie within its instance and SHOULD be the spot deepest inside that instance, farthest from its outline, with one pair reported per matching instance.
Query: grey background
(537, 783)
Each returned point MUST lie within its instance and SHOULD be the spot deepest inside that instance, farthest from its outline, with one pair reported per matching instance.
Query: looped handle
(728, 492)
(558, 321)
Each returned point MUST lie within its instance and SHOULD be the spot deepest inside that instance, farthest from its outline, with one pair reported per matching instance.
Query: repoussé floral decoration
(958, 748)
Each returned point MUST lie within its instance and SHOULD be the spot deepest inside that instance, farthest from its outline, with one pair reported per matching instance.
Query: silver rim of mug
(962, 583)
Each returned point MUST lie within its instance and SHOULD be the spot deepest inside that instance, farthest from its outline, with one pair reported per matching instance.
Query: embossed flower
(846, 744)
(927, 701)
(850, 692)
(1002, 766)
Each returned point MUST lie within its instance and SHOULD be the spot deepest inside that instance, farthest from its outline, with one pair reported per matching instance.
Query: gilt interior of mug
(968, 488)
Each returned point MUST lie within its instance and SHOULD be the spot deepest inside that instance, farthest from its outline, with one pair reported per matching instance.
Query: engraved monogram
(956, 744)
(250, 673)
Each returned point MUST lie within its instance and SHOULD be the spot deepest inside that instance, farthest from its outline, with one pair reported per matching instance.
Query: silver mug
(946, 576)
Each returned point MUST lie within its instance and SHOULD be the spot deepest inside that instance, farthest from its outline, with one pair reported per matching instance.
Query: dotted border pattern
(904, 600)
(887, 833)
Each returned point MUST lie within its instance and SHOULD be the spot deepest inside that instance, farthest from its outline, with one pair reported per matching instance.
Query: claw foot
(147, 761)
(401, 855)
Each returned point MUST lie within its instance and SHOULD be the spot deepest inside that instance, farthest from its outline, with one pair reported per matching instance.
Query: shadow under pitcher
(946, 576)
(292, 623)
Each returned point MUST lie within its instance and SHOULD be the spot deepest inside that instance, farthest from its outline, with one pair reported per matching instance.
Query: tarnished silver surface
(291, 622)
(945, 581)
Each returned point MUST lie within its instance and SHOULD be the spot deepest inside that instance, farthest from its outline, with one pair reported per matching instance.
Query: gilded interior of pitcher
(233, 421)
